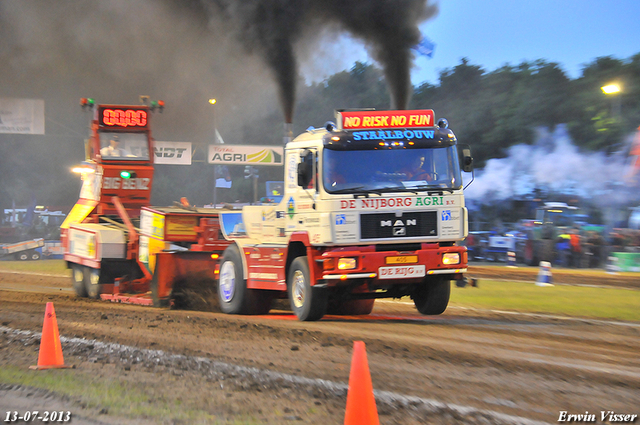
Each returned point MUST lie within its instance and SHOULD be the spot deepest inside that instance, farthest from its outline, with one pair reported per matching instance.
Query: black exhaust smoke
(274, 29)
(288, 133)
(390, 29)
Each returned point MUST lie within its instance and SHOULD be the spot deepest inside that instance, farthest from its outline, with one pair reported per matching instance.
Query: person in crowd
(576, 247)
(563, 249)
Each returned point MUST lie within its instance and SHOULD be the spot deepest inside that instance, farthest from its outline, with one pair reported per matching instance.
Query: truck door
(301, 200)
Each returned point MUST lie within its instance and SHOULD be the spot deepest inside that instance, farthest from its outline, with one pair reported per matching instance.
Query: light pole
(215, 141)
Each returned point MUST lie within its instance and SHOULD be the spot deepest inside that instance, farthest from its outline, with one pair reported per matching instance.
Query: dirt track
(461, 367)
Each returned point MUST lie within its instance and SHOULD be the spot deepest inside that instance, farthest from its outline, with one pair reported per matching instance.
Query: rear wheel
(547, 250)
(308, 302)
(432, 296)
(529, 253)
(77, 277)
(92, 282)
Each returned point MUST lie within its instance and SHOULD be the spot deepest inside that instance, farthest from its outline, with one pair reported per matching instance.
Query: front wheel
(233, 295)
(308, 302)
(431, 297)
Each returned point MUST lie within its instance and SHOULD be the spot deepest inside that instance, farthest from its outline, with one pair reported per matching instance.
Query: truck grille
(390, 226)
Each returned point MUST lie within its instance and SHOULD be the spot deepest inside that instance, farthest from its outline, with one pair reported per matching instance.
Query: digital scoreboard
(123, 117)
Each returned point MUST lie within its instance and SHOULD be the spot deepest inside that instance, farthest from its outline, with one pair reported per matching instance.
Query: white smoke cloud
(554, 165)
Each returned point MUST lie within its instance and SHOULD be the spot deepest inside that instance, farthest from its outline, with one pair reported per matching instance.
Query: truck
(22, 251)
(553, 219)
(117, 246)
(355, 223)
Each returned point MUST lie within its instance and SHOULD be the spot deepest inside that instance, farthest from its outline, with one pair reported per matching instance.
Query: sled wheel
(77, 277)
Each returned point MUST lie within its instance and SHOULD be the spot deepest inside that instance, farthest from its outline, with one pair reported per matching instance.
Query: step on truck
(373, 207)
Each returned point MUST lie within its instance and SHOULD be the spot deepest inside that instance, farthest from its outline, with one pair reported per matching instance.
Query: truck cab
(117, 176)
(373, 207)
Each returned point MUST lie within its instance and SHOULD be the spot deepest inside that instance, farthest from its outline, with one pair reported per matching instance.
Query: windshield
(124, 146)
(559, 216)
(388, 170)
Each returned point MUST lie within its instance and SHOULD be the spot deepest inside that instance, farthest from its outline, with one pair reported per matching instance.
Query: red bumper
(392, 267)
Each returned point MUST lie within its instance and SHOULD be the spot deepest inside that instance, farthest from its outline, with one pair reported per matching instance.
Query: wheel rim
(94, 277)
(298, 289)
(227, 281)
(77, 275)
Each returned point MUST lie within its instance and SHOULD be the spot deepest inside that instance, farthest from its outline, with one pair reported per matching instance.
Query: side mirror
(466, 160)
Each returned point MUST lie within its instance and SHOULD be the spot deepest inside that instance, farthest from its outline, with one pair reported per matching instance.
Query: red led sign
(123, 117)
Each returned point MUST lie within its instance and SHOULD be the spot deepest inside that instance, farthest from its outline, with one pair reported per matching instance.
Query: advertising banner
(176, 153)
(245, 155)
(21, 116)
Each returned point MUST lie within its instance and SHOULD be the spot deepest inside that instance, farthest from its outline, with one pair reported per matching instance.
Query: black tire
(233, 295)
(92, 282)
(157, 301)
(351, 307)
(77, 277)
(530, 253)
(308, 302)
(22, 256)
(34, 255)
(431, 297)
(547, 250)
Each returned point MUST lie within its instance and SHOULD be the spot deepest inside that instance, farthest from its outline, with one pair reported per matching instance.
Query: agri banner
(176, 153)
(21, 116)
(245, 155)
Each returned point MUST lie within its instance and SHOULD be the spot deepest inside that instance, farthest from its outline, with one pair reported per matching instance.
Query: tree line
(494, 110)
(489, 110)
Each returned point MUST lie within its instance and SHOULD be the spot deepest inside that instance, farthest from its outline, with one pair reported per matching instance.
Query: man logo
(398, 223)
(446, 215)
(341, 219)
(399, 231)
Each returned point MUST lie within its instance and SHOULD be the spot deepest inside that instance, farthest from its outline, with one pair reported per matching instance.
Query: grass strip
(41, 266)
(119, 396)
(564, 300)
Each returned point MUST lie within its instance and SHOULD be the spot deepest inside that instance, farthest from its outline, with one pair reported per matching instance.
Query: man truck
(373, 207)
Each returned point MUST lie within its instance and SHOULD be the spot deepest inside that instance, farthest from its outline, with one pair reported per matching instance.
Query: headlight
(451, 258)
(329, 263)
(346, 263)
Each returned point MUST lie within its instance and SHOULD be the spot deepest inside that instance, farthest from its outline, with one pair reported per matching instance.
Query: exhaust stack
(288, 133)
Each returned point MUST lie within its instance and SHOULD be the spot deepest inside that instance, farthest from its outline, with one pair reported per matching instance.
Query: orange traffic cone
(361, 404)
(50, 355)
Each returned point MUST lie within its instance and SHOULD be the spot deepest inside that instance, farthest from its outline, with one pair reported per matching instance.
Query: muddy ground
(466, 366)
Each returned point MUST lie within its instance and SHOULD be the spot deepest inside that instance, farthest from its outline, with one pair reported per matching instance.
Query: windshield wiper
(356, 191)
(347, 190)
(430, 189)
